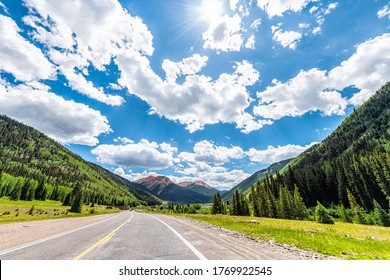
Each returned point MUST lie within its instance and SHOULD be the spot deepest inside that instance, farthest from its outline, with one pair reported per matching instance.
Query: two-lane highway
(138, 236)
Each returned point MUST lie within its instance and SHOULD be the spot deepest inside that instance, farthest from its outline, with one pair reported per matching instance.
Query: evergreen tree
(300, 211)
(344, 215)
(17, 191)
(67, 200)
(380, 216)
(322, 215)
(77, 198)
(25, 189)
(217, 204)
(40, 192)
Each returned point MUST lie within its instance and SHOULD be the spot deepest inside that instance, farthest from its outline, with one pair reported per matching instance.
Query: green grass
(18, 211)
(343, 240)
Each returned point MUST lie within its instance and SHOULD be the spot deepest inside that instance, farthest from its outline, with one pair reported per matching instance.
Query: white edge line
(189, 245)
(16, 248)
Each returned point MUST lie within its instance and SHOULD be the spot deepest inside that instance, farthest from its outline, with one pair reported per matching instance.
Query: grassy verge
(20, 211)
(343, 240)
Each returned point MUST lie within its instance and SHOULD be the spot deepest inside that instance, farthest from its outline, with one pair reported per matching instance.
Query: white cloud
(256, 23)
(317, 30)
(301, 94)
(233, 4)
(5, 9)
(250, 43)
(286, 38)
(385, 11)
(198, 100)
(224, 34)
(143, 154)
(114, 86)
(85, 33)
(68, 63)
(67, 122)
(216, 176)
(315, 90)
(331, 7)
(188, 66)
(272, 154)
(207, 152)
(367, 69)
(19, 57)
(123, 140)
(279, 7)
(304, 25)
(313, 9)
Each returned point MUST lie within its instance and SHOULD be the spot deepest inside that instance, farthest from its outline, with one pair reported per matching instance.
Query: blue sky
(202, 89)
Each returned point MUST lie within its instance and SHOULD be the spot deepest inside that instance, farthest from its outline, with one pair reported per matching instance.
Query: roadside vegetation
(24, 211)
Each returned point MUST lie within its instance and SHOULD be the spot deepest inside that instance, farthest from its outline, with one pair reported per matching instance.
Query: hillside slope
(352, 165)
(28, 153)
(245, 185)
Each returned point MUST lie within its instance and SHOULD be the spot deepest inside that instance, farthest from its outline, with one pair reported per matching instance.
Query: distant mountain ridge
(183, 192)
(245, 185)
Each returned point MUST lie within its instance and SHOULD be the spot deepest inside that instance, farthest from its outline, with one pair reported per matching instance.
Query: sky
(190, 89)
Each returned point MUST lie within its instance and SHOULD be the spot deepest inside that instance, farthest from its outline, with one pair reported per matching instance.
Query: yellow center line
(103, 240)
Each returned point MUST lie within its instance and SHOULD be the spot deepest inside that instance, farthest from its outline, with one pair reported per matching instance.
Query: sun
(211, 9)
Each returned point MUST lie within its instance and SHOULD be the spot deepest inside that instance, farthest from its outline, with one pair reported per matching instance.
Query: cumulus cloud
(385, 11)
(224, 34)
(301, 94)
(188, 66)
(286, 38)
(143, 154)
(83, 33)
(279, 7)
(198, 100)
(216, 176)
(318, 90)
(19, 57)
(208, 152)
(250, 43)
(66, 121)
(272, 154)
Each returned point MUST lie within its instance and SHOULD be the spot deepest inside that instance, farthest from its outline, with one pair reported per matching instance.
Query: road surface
(137, 236)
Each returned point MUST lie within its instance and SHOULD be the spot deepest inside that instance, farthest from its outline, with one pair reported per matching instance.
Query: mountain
(352, 165)
(25, 152)
(199, 187)
(245, 185)
(185, 192)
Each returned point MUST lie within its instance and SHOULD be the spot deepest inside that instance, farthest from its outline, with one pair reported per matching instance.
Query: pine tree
(322, 215)
(217, 204)
(25, 189)
(17, 191)
(344, 216)
(300, 211)
(380, 216)
(40, 192)
(77, 201)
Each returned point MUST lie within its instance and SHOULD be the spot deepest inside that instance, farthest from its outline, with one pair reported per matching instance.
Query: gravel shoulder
(248, 247)
(15, 234)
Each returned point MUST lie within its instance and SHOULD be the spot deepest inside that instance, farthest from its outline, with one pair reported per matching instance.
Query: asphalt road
(138, 236)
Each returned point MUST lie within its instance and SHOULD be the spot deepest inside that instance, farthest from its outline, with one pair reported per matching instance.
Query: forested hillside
(350, 168)
(246, 184)
(34, 166)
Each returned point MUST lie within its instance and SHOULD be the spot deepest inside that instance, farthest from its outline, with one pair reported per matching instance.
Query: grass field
(19, 211)
(343, 240)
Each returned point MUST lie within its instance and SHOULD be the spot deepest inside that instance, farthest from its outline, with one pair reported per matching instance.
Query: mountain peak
(154, 180)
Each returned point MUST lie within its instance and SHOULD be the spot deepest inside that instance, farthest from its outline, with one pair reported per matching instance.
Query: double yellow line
(103, 240)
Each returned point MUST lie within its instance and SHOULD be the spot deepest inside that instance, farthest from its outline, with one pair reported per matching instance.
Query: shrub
(322, 215)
